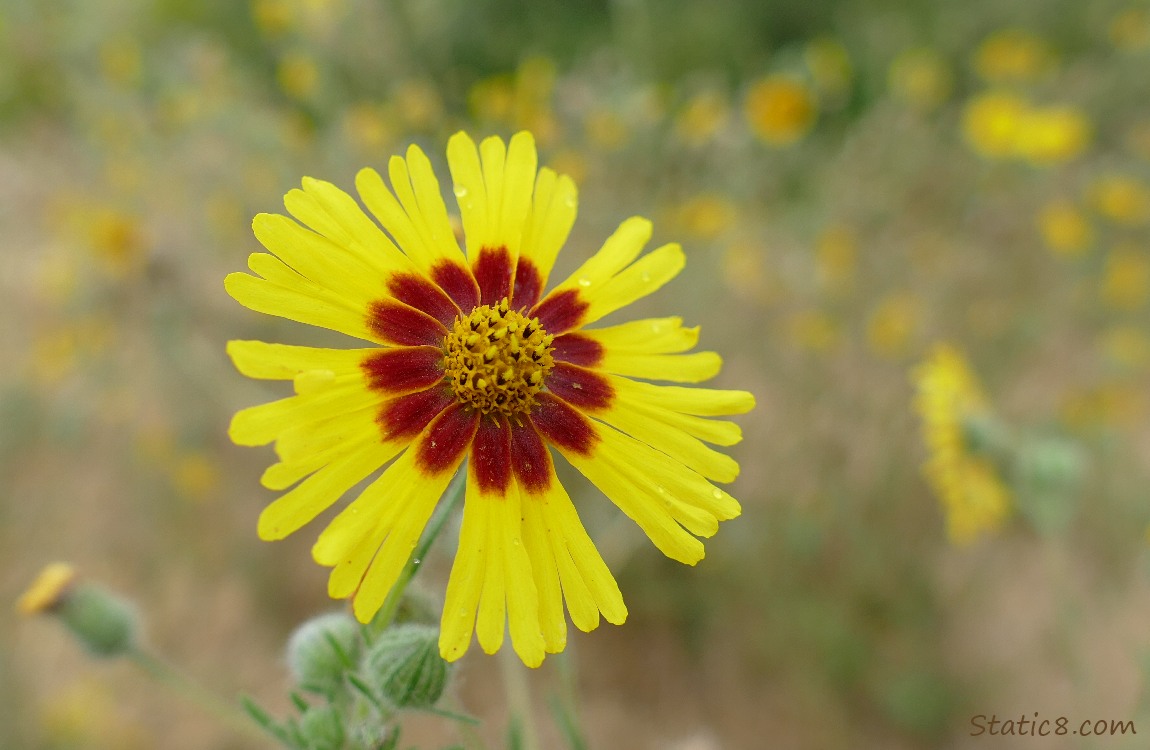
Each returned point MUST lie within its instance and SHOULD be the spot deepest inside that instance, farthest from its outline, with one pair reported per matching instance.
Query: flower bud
(104, 624)
(405, 667)
(322, 650)
(321, 727)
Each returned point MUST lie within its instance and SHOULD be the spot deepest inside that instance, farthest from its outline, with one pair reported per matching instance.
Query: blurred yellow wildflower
(369, 125)
(991, 122)
(522, 100)
(813, 330)
(606, 129)
(950, 402)
(1121, 198)
(120, 60)
(1126, 346)
(921, 78)
(1126, 278)
(195, 476)
(1065, 229)
(892, 324)
(1112, 404)
(297, 75)
(836, 255)
(702, 117)
(1011, 56)
(706, 215)
(830, 66)
(85, 715)
(418, 103)
(47, 590)
(1130, 30)
(1048, 135)
(780, 109)
(745, 272)
(272, 17)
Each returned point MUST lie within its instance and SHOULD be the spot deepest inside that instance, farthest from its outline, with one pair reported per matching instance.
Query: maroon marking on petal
(406, 416)
(528, 285)
(405, 369)
(458, 282)
(530, 458)
(561, 311)
(493, 272)
(562, 425)
(444, 442)
(578, 349)
(413, 289)
(396, 323)
(491, 454)
(580, 387)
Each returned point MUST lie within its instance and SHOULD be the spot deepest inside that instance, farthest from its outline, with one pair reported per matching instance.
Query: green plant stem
(445, 510)
(169, 676)
(519, 698)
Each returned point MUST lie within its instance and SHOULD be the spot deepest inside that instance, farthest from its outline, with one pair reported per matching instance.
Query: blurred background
(853, 181)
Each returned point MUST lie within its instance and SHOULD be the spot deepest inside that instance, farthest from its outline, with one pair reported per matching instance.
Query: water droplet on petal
(570, 201)
(717, 494)
(460, 191)
(584, 282)
(645, 276)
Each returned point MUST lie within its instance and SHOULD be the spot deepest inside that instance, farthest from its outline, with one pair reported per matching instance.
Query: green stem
(187, 688)
(445, 510)
(519, 698)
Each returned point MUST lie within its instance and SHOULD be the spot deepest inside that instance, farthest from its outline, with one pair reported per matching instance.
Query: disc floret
(496, 359)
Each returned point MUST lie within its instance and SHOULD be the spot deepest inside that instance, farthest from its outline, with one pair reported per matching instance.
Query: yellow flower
(298, 75)
(1049, 135)
(920, 77)
(829, 64)
(892, 323)
(1065, 229)
(606, 129)
(520, 101)
(702, 117)
(418, 103)
(369, 126)
(195, 476)
(1130, 30)
(814, 331)
(836, 255)
(745, 272)
(1011, 56)
(469, 358)
(707, 215)
(1108, 405)
(120, 60)
(47, 591)
(780, 109)
(1121, 199)
(1126, 278)
(948, 400)
(1127, 346)
(992, 121)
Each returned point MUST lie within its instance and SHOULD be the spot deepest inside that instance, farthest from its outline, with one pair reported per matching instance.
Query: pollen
(497, 359)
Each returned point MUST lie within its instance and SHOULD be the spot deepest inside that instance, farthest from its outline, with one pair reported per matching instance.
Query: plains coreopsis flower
(470, 359)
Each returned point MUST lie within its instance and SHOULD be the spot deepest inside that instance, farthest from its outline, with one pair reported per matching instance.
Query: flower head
(780, 109)
(959, 435)
(470, 359)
